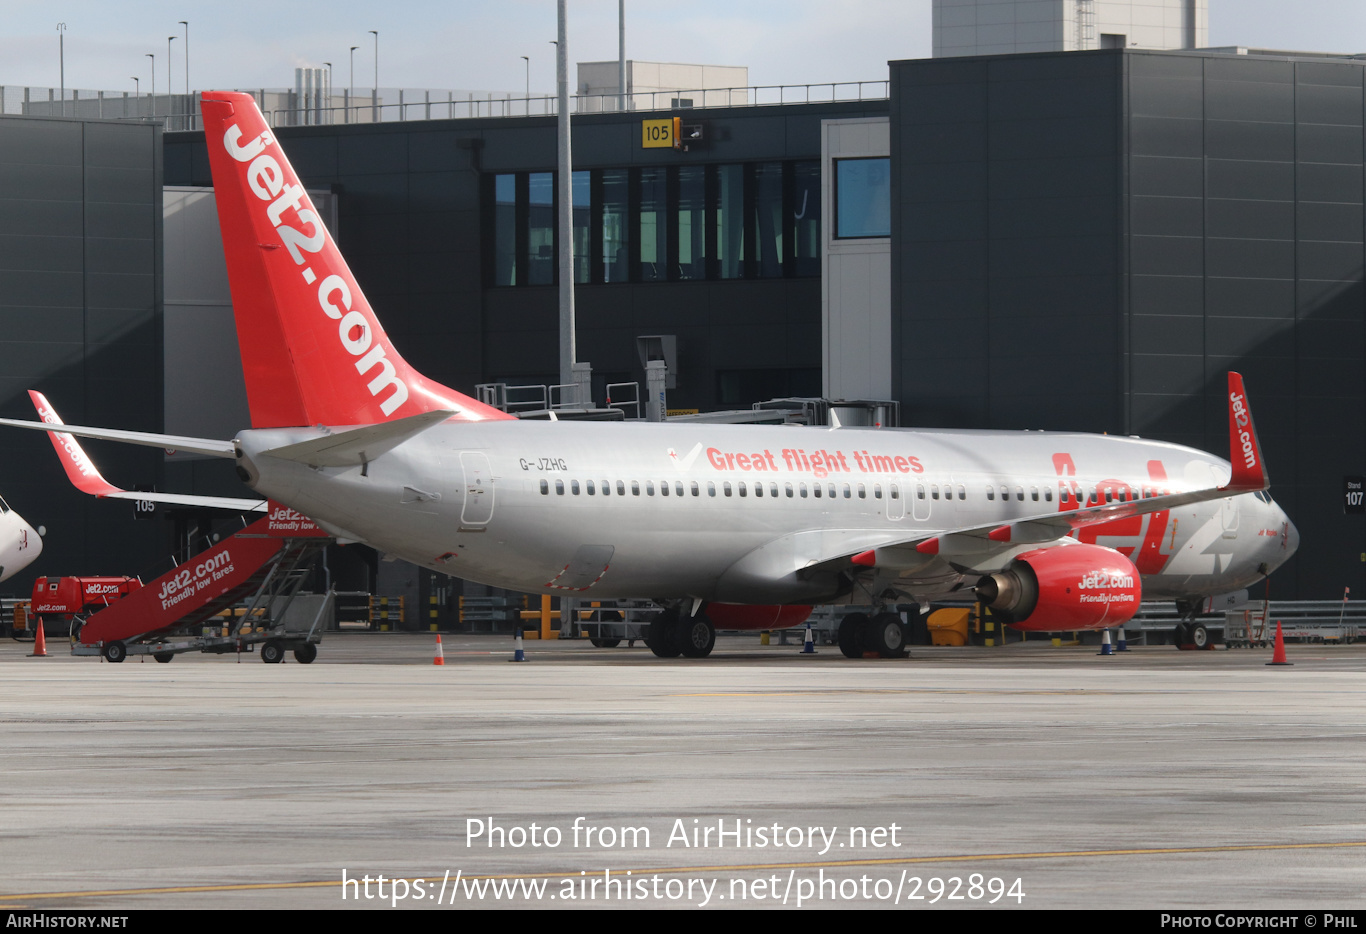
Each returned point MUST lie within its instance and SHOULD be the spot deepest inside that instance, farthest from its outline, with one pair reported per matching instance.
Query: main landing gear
(673, 633)
(883, 633)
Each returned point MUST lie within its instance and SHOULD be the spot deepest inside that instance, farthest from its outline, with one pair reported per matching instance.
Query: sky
(465, 45)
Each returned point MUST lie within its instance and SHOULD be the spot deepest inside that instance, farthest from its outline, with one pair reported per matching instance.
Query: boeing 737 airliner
(721, 525)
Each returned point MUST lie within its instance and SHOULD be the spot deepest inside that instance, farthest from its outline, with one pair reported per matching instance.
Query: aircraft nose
(1291, 536)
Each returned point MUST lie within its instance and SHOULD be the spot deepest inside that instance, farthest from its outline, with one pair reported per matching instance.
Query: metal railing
(619, 402)
(282, 106)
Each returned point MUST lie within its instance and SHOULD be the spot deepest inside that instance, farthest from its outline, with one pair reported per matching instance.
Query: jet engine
(1064, 588)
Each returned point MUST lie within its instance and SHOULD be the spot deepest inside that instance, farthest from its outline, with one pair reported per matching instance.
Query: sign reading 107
(1354, 495)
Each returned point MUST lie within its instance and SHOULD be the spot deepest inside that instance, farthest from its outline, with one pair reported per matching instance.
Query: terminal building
(1069, 239)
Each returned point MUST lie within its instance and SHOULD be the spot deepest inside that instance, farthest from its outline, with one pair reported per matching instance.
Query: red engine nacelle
(1065, 588)
(753, 616)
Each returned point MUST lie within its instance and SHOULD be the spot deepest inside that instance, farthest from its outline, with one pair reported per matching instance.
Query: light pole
(188, 103)
(527, 59)
(61, 61)
(170, 102)
(351, 88)
(154, 82)
(374, 101)
(137, 94)
(327, 90)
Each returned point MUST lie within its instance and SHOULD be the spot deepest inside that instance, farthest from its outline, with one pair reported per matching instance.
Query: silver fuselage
(521, 505)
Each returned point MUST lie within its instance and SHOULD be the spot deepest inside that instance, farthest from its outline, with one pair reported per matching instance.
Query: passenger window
(862, 493)
(574, 487)
(607, 488)
(711, 488)
(894, 490)
(649, 488)
(831, 490)
(816, 489)
(678, 487)
(588, 487)
(1109, 495)
(934, 491)
(962, 493)
(877, 491)
(773, 490)
(1005, 494)
(758, 489)
(559, 487)
(991, 493)
(1019, 493)
(789, 490)
(1034, 493)
(635, 487)
(664, 488)
(846, 491)
(1047, 495)
(621, 488)
(695, 490)
(726, 487)
(743, 491)
(803, 490)
(545, 488)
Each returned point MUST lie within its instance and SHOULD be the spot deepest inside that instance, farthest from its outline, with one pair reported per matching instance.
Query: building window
(654, 225)
(541, 228)
(730, 221)
(616, 257)
(505, 230)
(806, 219)
(767, 220)
(692, 222)
(863, 198)
(583, 216)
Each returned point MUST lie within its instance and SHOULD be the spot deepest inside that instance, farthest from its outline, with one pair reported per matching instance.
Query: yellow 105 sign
(659, 134)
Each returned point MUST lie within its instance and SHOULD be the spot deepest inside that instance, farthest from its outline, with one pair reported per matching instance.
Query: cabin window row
(724, 488)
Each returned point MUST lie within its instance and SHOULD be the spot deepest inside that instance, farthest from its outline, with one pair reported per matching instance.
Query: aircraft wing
(1248, 476)
(86, 477)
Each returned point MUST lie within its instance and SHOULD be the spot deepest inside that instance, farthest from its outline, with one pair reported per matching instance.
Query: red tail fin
(312, 349)
(1245, 452)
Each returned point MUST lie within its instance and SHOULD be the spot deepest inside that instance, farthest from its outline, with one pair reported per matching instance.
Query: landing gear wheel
(851, 634)
(305, 653)
(1181, 637)
(163, 657)
(662, 635)
(697, 636)
(273, 652)
(606, 643)
(1198, 636)
(886, 635)
(115, 652)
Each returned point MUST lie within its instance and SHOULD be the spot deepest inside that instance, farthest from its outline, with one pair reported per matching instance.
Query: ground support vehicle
(264, 565)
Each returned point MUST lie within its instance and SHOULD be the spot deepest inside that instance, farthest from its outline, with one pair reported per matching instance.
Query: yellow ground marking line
(694, 870)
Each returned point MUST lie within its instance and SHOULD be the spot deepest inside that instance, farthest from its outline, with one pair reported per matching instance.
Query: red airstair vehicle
(263, 565)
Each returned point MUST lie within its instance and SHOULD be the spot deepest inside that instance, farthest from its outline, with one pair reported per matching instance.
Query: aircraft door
(920, 500)
(478, 508)
(896, 506)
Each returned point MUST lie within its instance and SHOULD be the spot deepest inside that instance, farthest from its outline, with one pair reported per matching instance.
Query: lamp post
(374, 101)
(170, 102)
(351, 87)
(327, 90)
(154, 82)
(188, 103)
(527, 59)
(137, 94)
(61, 61)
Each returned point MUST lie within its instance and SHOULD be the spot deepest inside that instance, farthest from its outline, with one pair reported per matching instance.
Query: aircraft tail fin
(1245, 451)
(312, 349)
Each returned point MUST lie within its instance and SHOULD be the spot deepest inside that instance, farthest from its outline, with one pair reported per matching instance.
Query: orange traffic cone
(440, 658)
(1278, 655)
(39, 641)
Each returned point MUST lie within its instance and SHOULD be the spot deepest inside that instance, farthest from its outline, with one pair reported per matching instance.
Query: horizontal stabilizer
(206, 446)
(86, 477)
(359, 445)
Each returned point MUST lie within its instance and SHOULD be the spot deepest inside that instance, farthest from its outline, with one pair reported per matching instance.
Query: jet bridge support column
(656, 377)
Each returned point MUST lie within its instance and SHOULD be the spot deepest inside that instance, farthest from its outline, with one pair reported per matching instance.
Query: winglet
(1245, 452)
(80, 470)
